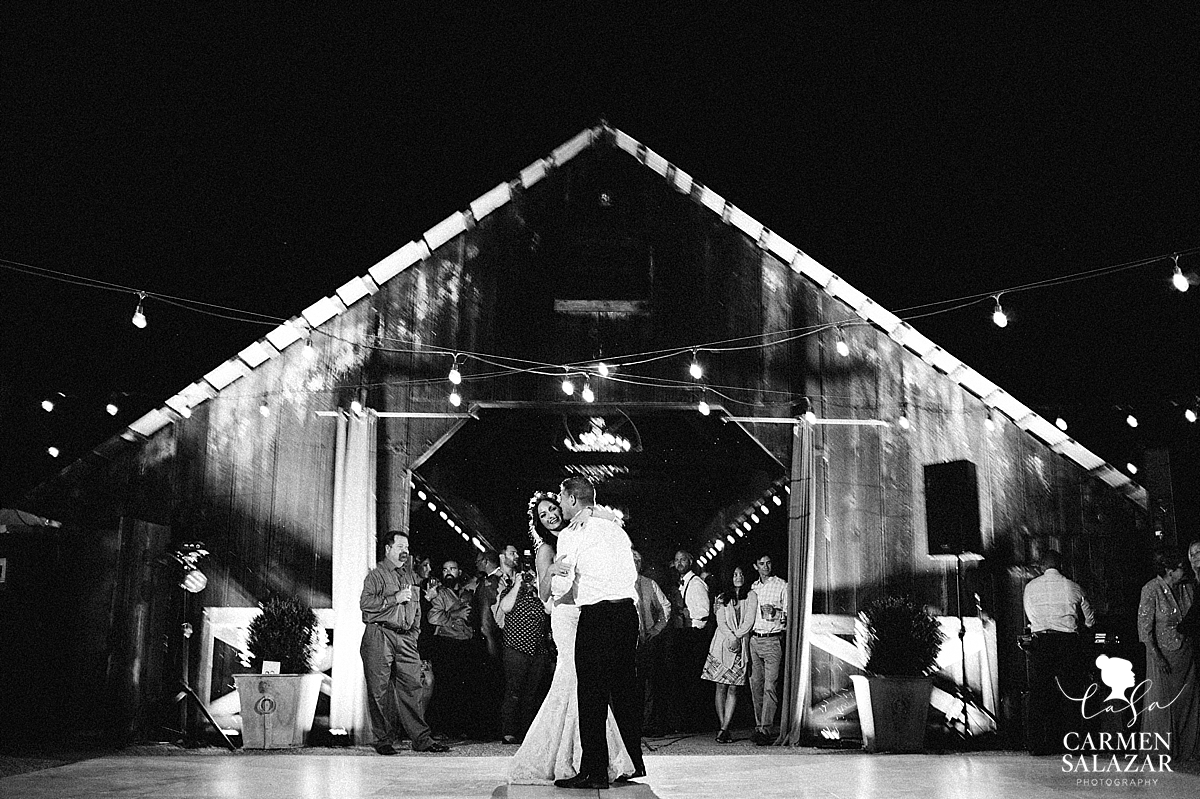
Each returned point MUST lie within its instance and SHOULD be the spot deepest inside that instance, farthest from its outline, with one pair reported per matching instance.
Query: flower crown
(537, 498)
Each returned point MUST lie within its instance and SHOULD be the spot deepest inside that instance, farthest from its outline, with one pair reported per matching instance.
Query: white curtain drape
(353, 557)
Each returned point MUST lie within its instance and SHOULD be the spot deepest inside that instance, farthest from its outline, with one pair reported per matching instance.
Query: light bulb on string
(989, 422)
(53, 452)
(999, 318)
(111, 409)
(1131, 468)
(587, 394)
(695, 370)
(356, 407)
(1189, 415)
(455, 398)
(703, 408)
(809, 415)
(264, 409)
(1061, 424)
(843, 349)
(455, 376)
(48, 405)
(602, 369)
(185, 412)
(1131, 420)
(1178, 279)
(568, 387)
(902, 420)
(139, 317)
(309, 352)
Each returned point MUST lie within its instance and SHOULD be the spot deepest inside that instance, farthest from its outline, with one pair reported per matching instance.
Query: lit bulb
(53, 451)
(112, 409)
(731, 539)
(1132, 469)
(1178, 280)
(754, 518)
(720, 544)
(1061, 424)
(903, 422)
(587, 393)
(185, 412)
(602, 368)
(775, 498)
(1190, 415)
(1131, 420)
(455, 376)
(746, 525)
(139, 318)
(703, 408)
(422, 496)
(355, 407)
(264, 409)
(309, 350)
(431, 506)
(843, 348)
(567, 386)
(765, 510)
(47, 405)
(989, 424)
(999, 318)
(455, 399)
(810, 417)
(695, 369)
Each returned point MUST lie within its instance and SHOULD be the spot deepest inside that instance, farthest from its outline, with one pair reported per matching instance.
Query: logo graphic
(1117, 674)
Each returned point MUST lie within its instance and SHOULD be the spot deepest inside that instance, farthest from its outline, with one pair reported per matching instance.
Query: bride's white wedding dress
(551, 749)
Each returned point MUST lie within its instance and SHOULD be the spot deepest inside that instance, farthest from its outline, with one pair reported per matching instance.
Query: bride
(551, 749)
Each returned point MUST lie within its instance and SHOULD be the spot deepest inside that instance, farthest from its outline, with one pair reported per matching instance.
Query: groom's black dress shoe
(636, 774)
(582, 781)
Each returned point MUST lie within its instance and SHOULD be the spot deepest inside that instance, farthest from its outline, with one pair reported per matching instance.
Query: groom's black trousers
(605, 651)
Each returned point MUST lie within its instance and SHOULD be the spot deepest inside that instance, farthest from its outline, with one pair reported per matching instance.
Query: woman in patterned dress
(729, 653)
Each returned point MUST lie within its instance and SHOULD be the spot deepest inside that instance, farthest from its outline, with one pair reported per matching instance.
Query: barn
(606, 314)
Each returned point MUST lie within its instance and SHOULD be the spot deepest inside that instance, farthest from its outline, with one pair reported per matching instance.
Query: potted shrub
(900, 641)
(278, 709)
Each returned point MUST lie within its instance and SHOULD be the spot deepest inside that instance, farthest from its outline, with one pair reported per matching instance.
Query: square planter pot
(892, 712)
(277, 709)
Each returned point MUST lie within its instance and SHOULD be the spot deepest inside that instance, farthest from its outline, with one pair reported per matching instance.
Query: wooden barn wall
(872, 533)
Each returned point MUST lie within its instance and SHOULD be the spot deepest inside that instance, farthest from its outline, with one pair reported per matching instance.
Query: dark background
(255, 156)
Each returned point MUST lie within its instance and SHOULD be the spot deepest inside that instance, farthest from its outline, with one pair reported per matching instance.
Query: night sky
(256, 156)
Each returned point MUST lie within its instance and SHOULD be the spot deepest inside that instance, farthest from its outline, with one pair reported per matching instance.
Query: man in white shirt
(691, 646)
(598, 554)
(1055, 607)
(766, 648)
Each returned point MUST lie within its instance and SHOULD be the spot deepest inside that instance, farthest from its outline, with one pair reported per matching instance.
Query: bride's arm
(545, 556)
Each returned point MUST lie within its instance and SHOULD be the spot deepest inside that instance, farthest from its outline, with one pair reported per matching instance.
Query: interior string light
(53, 452)
(989, 423)
(264, 409)
(602, 369)
(455, 376)
(111, 409)
(1131, 468)
(1189, 415)
(695, 370)
(455, 398)
(903, 419)
(1178, 279)
(568, 387)
(999, 318)
(1131, 420)
(48, 405)
(587, 393)
(1061, 424)
(843, 349)
(139, 316)
(309, 350)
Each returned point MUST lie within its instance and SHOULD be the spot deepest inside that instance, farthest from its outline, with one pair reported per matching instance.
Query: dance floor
(762, 774)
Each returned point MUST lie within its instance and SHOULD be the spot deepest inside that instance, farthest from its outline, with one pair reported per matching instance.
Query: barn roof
(323, 310)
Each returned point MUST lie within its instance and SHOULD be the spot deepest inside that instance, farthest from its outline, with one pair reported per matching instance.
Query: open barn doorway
(683, 480)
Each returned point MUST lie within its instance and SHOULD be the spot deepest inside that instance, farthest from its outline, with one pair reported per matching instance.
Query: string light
(53, 451)
(112, 409)
(843, 349)
(185, 412)
(139, 317)
(602, 369)
(568, 387)
(903, 419)
(356, 407)
(999, 318)
(48, 405)
(809, 415)
(309, 350)
(1179, 280)
(587, 393)
(455, 398)
(264, 409)
(455, 376)
(702, 406)
(1131, 420)
(1131, 468)
(1190, 415)
(695, 370)
(1061, 424)
(989, 422)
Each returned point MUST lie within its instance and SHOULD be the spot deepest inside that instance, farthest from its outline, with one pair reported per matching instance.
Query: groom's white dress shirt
(601, 558)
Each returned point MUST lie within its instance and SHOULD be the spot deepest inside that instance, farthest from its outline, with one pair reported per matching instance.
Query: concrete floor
(780, 773)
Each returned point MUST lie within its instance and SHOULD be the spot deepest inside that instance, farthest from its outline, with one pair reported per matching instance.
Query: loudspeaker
(952, 508)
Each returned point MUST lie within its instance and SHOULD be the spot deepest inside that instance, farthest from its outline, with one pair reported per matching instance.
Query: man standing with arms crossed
(599, 556)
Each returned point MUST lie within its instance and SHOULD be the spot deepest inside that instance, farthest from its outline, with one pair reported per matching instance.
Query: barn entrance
(683, 480)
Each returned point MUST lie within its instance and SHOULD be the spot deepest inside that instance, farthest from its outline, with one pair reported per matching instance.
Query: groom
(599, 555)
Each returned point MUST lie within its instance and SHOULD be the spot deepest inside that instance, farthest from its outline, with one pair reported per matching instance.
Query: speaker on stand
(952, 529)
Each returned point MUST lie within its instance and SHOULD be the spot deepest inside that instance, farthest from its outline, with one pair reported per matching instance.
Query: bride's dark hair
(537, 530)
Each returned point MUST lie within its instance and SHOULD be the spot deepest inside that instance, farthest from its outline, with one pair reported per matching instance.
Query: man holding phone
(391, 613)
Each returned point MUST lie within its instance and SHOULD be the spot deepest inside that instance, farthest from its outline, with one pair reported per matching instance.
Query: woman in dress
(729, 652)
(551, 749)
(1172, 703)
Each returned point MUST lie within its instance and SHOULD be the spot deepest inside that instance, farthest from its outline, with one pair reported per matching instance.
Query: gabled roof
(320, 312)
